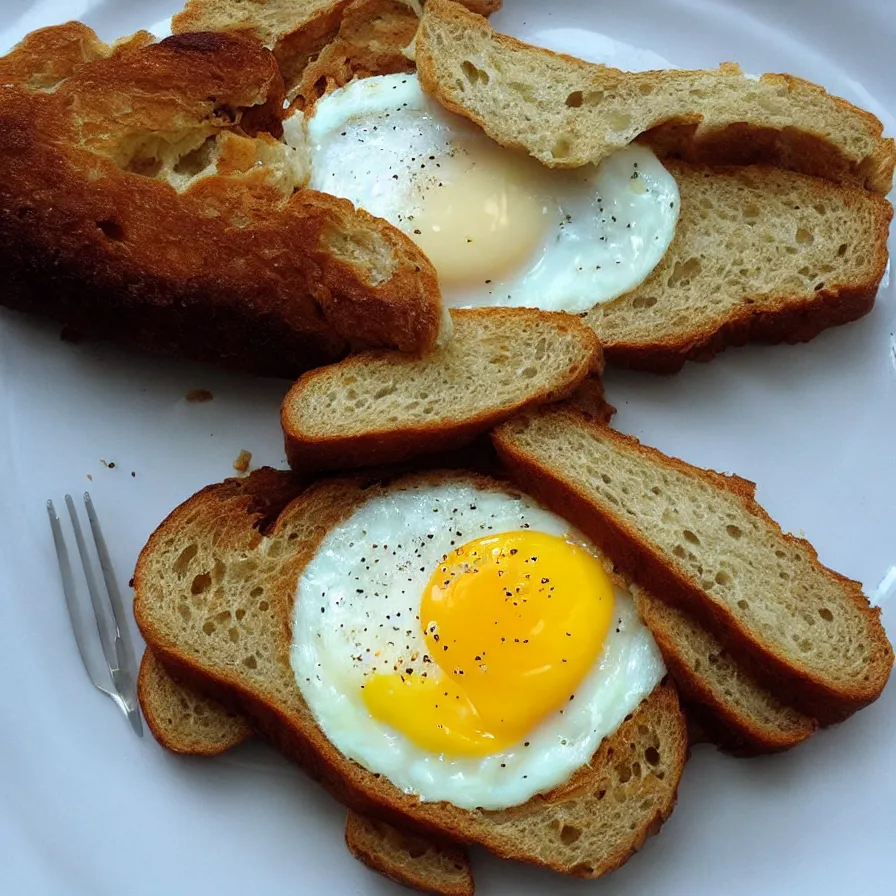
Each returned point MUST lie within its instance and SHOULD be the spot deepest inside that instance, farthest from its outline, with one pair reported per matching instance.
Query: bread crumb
(199, 396)
(90, 477)
(243, 459)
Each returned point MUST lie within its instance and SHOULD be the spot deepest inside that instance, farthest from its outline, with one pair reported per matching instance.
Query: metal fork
(119, 680)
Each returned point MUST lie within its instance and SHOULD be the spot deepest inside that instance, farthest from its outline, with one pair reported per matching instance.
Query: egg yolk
(478, 217)
(512, 624)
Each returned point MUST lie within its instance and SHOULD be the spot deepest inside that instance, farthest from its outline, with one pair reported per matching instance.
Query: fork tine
(99, 610)
(71, 601)
(125, 650)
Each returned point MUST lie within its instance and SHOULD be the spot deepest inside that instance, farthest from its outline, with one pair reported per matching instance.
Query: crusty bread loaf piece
(424, 864)
(760, 255)
(224, 263)
(383, 407)
(319, 39)
(742, 716)
(567, 112)
(699, 541)
(214, 588)
(183, 719)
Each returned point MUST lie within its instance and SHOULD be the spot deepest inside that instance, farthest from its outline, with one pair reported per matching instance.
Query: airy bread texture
(567, 112)
(214, 589)
(759, 254)
(698, 540)
(741, 716)
(382, 407)
(181, 718)
(142, 202)
(421, 863)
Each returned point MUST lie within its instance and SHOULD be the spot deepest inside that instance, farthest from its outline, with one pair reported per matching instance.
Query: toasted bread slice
(181, 718)
(700, 541)
(741, 716)
(567, 112)
(214, 588)
(225, 262)
(759, 255)
(424, 864)
(383, 407)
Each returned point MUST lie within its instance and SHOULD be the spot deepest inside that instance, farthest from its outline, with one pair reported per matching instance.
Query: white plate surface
(85, 807)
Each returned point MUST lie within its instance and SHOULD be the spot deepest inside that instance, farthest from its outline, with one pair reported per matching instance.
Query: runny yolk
(478, 217)
(512, 623)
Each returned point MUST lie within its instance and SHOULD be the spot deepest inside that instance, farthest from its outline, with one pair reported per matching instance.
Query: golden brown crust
(394, 442)
(230, 270)
(238, 514)
(643, 563)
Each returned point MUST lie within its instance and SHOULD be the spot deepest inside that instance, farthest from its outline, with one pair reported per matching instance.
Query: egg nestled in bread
(465, 643)
(500, 228)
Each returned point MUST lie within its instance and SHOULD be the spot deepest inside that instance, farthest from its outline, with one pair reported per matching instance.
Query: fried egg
(465, 643)
(500, 228)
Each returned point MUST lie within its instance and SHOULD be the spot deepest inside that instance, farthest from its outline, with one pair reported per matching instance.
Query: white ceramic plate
(85, 807)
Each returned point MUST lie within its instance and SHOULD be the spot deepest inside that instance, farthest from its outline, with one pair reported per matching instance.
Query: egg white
(360, 594)
(608, 226)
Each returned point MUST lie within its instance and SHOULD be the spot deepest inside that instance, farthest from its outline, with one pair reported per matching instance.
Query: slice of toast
(174, 226)
(214, 588)
(567, 112)
(699, 540)
(422, 863)
(759, 255)
(383, 407)
(737, 712)
(185, 721)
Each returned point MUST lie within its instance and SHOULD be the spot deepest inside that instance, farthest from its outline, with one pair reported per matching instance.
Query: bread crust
(638, 560)
(231, 270)
(293, 731)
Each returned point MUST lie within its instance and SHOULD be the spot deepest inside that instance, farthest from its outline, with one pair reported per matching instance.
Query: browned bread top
(141, 201)
(214, 589)
(567, 112)
(701, 542)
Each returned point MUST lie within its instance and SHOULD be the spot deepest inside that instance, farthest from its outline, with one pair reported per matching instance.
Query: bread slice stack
(214, 588)
(760, 253)
(732, 584)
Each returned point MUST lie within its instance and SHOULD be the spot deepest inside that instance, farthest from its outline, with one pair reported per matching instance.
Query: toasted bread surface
(213, 597)
(424, 864)
(568, 113)
(383, 407)
(759, 255)
(181, 718)
(699, 541)
(231, 267)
